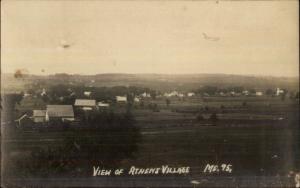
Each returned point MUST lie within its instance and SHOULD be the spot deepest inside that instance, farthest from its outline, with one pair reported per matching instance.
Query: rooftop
(85, 102)
(121, 98)
(60, 111)
(37, 113)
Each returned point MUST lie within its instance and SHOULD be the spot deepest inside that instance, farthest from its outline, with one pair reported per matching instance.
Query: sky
(168, 37)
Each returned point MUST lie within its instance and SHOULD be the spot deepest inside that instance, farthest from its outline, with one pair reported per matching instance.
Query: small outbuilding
(85, 104)
(121, 99)
(39, 116)
(87, 93)
(103, 105)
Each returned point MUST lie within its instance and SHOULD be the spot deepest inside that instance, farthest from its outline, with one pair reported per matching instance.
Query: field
(256, 136)
(239, 141)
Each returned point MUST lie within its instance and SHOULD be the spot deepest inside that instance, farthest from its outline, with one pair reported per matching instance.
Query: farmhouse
(279, 91)
(145, 95)
(136, 99)
(191, 94)
(60, 112)
(85, 104)
(121, 99)
(259, 93)
(172, 94)
(39, 116)
(87, 93)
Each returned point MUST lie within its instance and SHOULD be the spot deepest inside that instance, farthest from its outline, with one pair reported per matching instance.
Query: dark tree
(270, 92)
(199, 117)
(213, 117)
(211, 90)
(153, 94)
(168, 102)
(252, 91)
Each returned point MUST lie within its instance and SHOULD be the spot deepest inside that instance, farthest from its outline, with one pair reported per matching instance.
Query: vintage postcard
(150, 93)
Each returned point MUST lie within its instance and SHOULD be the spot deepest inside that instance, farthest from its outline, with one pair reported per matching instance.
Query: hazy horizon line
(178, 74)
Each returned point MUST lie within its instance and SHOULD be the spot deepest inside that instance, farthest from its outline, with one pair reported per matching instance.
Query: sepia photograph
(150, 93)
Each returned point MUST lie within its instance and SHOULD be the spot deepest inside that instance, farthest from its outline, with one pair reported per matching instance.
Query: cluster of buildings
(174, 94)
(233, 93)
(52, 112)
(66, 112)
(167, 94)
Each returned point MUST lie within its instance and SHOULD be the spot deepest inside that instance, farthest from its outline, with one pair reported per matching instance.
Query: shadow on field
(104, 140)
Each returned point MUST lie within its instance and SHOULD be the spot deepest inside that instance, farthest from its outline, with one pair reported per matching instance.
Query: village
(75, 124)
(73, 110)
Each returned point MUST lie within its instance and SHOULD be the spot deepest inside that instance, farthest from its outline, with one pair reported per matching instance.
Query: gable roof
(85, 102)
(22, 117)
(60, 111)
(39, 113)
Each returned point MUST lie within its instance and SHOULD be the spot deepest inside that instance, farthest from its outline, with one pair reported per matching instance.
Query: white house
(191, 94)
(259, 93)
(136, 99)
(172, 94)
(279, 91)
(27, 95)
(87, 93)
(166, 95)
(121, 99)
(145, 95)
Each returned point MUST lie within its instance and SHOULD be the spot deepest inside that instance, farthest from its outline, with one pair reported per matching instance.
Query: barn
(60, 112)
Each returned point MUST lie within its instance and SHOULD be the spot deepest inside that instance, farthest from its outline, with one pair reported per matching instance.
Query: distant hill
(162, 82)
